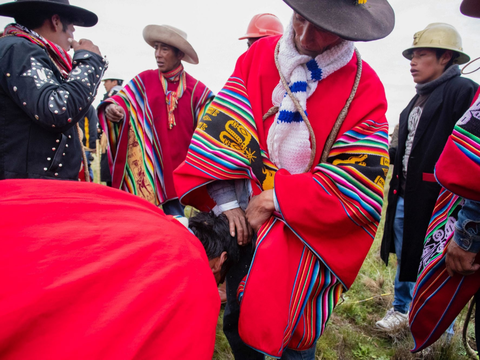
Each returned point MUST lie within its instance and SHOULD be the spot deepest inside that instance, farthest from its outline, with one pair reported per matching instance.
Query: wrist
(268, 202)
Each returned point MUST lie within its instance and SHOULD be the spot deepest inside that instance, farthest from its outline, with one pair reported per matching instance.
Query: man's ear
(446, 57)
(180, 55)
(223, 258)
(217, 266)
(56, 23)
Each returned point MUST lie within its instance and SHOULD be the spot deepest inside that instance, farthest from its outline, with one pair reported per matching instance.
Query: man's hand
(84, 44)
(236, 220)
(460, 261)
(114, 113)
(260, 209)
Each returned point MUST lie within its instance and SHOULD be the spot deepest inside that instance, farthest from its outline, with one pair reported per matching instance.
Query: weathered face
(311, 40)
(167, 57)
(424, 65)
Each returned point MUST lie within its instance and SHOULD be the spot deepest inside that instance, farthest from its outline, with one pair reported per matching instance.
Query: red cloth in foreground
(90, 272)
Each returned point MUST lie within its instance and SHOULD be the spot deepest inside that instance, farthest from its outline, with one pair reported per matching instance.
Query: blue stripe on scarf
(316, 72)
(299, 86)
(288, 116)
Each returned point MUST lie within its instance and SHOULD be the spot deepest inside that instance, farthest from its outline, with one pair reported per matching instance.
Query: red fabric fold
(90, 272)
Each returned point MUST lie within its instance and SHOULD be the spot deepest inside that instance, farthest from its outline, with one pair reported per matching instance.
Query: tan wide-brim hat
(470, 8)
(172, 36)
(438, 36)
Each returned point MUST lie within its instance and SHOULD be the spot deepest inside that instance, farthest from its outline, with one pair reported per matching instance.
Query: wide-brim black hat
(356, 20)
(79, 16)
(470, 8)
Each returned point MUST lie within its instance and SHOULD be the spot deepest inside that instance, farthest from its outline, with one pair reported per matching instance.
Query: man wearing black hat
(295, 146)
(42, 91)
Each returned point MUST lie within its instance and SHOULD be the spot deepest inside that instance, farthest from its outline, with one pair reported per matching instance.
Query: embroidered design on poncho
(227, 146)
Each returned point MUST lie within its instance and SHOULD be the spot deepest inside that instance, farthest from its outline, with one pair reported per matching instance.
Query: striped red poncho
(313, 249)
(143, 150)
(438, 298)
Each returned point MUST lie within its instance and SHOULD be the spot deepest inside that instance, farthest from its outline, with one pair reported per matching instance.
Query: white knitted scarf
(288, 138)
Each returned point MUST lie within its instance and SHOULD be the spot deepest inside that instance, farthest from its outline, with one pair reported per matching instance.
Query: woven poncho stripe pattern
(141, 120)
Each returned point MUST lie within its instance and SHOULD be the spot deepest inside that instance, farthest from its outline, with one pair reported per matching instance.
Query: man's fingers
(250, 231)
(450, 272)
(240, 231)
(231, 225)
(73, 43)
(85, 44)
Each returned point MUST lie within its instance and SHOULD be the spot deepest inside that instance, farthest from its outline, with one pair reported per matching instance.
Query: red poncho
(328, 217)
(438, 298)
(458, 168)
(90, 272)
(143, 151)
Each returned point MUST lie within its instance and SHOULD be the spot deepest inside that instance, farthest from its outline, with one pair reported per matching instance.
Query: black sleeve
(35, 85)
(392, 152)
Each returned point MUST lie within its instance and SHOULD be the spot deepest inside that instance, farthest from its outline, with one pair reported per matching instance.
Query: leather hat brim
(79, 16)
(165, 35)
(356, 22)
(470, 8)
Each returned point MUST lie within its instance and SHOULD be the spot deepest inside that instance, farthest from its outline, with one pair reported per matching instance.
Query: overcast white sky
(214, 26)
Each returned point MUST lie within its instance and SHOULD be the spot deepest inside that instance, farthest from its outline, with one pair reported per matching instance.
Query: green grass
(351, 331)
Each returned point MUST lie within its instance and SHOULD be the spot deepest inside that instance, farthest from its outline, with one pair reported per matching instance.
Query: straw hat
(172, 36)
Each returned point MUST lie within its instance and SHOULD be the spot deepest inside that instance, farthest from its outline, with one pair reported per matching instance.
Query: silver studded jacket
(39, 110)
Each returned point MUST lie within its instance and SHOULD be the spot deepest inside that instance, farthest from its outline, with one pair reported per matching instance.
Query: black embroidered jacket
(39, 110)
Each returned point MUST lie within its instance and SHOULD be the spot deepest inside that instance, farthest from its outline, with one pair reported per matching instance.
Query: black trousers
(232, 308)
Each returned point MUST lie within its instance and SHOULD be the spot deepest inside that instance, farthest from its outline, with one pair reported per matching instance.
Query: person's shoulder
(460, 86)
(462, 81)
(264, 45)
(192, 80)
(196, 86)
(369, 76)
(8, 43)
(260, 54)
(267, 42)
(147, 73)
(7, 40)
(367, 70)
